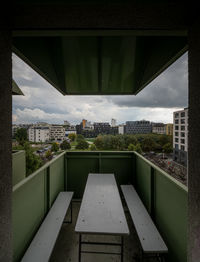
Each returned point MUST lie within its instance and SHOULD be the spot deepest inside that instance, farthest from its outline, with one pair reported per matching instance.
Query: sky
(43, 103)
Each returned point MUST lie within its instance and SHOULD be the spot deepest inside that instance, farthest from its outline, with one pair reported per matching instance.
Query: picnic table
(101, 212)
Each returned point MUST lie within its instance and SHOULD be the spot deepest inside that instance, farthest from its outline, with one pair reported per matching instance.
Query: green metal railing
(163, 196)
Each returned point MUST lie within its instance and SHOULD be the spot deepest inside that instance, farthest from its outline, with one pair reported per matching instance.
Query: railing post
(65, 171)
(99, 162)
(48, 203)
(134, 170)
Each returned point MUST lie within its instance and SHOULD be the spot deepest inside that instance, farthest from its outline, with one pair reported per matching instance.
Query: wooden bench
(150, 239)
(43, 243)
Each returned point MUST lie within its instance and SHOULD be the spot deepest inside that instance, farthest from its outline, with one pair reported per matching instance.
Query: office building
(57, 133)
(169, 129)
(113, 122)
(39, 134)
(159, 128)
(138, 127)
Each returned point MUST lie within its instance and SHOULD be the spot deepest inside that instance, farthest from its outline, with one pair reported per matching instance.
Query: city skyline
(155, 103)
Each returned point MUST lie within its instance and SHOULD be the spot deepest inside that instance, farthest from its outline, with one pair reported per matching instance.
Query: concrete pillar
(194, 144)
(5, 145)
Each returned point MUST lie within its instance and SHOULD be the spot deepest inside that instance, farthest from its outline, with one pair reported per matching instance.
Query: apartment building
(180, 136)
(159, 128)
(138, 127)
(39, 134)
(57, 133)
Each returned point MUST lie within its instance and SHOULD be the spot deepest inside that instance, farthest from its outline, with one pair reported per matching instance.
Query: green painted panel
(81, 64)
(121, 167)
(118, 64)
(78, 170)
(56, 178)
(18, 166)
(28, 210)
(143, 181)
(171, 216)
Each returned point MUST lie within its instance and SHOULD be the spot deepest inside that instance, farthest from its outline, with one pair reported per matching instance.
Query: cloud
(168, 90)
(42, 102)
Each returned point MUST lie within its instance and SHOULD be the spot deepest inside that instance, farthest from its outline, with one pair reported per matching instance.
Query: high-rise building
(113, 122)
(121, 129)
(101, 128)
(84, 121)
(138, 127)
(180, 136)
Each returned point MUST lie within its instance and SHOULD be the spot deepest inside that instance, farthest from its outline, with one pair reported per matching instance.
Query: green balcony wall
(18, 166)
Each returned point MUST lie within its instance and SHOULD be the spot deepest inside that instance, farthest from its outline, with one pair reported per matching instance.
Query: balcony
(163, 196)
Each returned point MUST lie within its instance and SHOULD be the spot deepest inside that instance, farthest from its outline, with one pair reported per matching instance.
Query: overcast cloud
(42, 102)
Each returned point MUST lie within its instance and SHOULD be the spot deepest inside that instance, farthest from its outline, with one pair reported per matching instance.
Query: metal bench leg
(122, 249)
(79, 249)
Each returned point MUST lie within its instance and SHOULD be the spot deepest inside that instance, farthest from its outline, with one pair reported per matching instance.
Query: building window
(176, 133)
(182, 114)
(176, 140)
(176, 121)
(176, 127)
(176, 146)
(176, 115)
(182, 141)
(182, 121)
(183, 148)
(182, 128)
(182, 134)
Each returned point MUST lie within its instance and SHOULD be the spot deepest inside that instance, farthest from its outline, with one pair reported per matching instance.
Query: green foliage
(33, 162)
(148, 144)
(54, 147)
(163, 140)
(21, 136)
(48, 155)
(82, 144)
(99, 142)
(131, 147)
(93, 147)
(136, 148)
(168, 148)
(65, 145)
(72, 136)
(79, 138)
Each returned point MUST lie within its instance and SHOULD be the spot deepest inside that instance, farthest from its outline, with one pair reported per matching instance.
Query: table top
(101, 210)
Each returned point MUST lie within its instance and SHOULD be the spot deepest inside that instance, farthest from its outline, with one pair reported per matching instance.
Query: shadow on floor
(66, 248)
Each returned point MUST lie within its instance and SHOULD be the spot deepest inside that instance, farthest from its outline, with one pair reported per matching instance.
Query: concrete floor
(66, 248)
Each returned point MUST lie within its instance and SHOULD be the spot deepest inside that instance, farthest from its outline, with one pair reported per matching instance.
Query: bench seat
(150, 239)
(43, 243)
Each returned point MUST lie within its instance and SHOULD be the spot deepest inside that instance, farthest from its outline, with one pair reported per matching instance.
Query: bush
(93, 147)
(99, 142)
(82, 144)
(21, 136)
(131, 147)
(49, 155)
(79, 138)
(54, 147)
(65, 145)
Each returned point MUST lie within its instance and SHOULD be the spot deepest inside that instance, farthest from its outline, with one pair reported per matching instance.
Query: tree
(21, 135)
(33, 162)
(65, 145)
(131, 147)
(99, 142)
(163, 140)
(48, 155)
(148, 144)
(138, 148)
(72, 136)
(82, 144)
(93, 147)
(168, 148)
(79, 137)
(54, 147)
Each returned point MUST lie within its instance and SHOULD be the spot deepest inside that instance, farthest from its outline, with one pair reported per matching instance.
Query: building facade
(180, 136)
(113, 122)
(39, 134)
(159, 128)
(169, 129)
(121, 129)
(57, 133)
(102, 128)
(138, 127)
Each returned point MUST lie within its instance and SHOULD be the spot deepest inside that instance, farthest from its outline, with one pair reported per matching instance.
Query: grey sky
(42, 102)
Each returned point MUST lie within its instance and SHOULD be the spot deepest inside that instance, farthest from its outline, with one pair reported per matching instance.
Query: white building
(121, 129)
(39, 134)
(113, 122)
(180, 135)
(57, 133)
